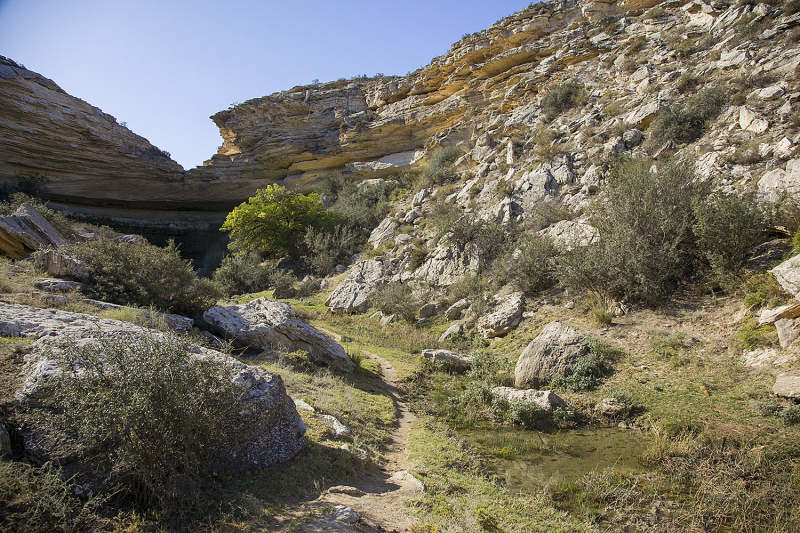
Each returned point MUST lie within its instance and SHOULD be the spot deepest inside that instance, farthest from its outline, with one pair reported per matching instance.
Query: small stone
(340, 430)
(345, 515)
(345, 489)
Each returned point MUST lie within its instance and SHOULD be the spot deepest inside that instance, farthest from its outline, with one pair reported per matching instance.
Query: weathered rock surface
(60, 265)
(506, 317)
(568, 234)
(351, 295)
(547, 400)
(453, 331)
(272, 423)
(263, 324)
(454, 311)
(172, 321)
(770, 316)
(788, 275)
(447, 359)
(340, 430)
(788, 331)
(58, 285)
(26, 231)
(552, 353)
(787, 385)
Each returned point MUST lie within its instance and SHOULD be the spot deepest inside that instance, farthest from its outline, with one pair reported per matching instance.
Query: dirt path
(384, 488)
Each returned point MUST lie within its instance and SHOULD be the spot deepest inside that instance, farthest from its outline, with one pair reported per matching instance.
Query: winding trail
(385, 488)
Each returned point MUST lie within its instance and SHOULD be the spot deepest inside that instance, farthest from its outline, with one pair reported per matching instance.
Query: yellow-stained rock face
(368, 127)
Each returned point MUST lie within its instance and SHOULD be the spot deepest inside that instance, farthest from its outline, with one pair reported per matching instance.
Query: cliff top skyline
(163, 68)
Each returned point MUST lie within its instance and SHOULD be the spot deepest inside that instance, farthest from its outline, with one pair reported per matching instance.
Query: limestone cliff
(483, 93)
(88, 156)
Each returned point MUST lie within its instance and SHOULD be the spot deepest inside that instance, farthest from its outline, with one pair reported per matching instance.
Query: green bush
(396, 298)
(144, 275)
(162, 420)
(529, 266)
(242, 274)
(525, 413)
(439, 170)
(588, 373)
(685, 124)
(646, 242)
(726, 228)
(763, 289)
(275, 220)
(321, 251)
(564, 97)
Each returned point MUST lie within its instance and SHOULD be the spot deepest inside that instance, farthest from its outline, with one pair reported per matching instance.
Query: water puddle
(527, 459)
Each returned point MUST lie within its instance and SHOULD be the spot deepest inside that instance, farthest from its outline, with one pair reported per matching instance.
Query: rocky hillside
(484, 96)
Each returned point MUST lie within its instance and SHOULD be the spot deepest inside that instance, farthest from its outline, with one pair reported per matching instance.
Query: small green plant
(686, 123)
(563, 98)
(439, 170)
(601, 309)
(529, 265)
(763, 289)
(726, 229)
(752, 336)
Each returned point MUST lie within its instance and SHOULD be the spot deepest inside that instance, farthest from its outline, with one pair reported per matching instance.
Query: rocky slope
(484, 96)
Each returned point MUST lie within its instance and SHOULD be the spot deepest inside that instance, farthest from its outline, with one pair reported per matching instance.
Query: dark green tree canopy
(275, 220)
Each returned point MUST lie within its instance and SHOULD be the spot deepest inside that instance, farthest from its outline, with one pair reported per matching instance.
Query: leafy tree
(275, 220)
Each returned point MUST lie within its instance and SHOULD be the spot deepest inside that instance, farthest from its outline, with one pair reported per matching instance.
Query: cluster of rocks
(271, 428)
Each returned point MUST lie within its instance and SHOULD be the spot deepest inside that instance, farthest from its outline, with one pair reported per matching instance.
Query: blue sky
(164, 67)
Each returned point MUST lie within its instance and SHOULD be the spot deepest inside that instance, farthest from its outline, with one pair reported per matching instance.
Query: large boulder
(546, 400)
(552, 353)
(504, 318)
(26, 231)
(264, 324)
(385, 232)
(271, 428)
(447, 359)
(777, 182)
(352, 294)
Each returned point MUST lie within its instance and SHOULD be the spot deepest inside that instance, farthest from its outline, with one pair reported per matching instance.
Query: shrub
(242, 274)
(321, 251)
(645, 228)
(161, 419)
(439, 170)
(395, 298)
(685, 124)
(688, 83)
(39, 500)
(587, 374)
(763, 289)
(525, 413)
(563, 98)
(144, 275)
(529, 267)
(726, 228)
